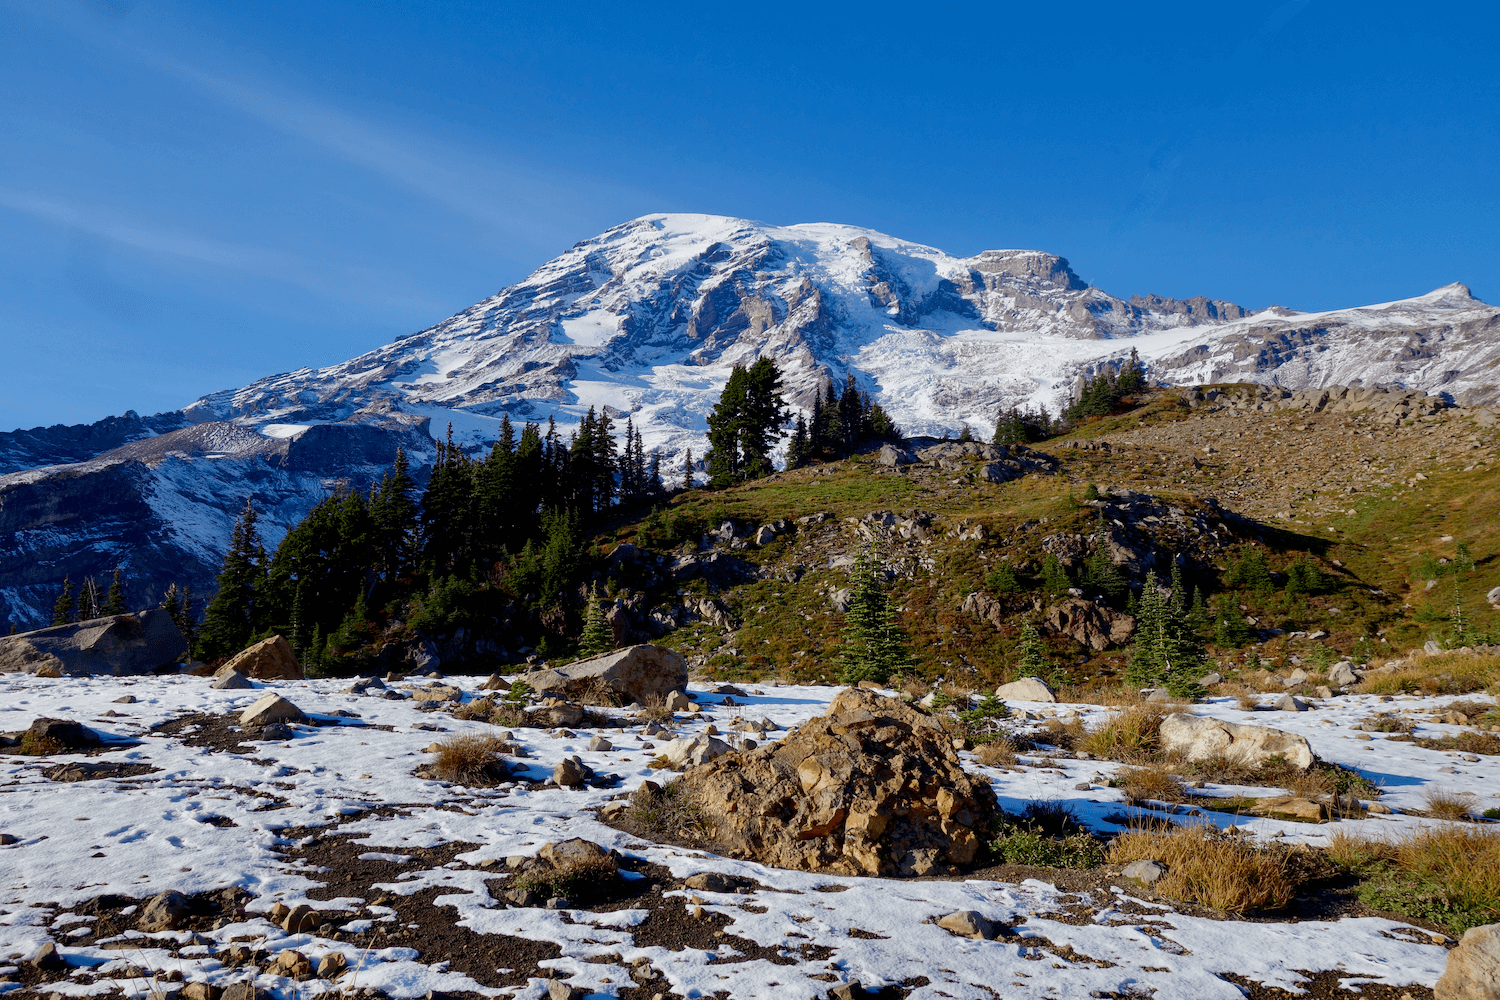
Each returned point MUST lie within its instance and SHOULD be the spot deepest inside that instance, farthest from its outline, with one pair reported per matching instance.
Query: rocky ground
(316, 857)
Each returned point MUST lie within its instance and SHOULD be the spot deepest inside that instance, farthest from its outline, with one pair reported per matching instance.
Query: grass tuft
(470, 760)
(1141, 784)
(1215, 869)
(1444, 803)
(1132, 735)
(1449, 875)
(999, 752)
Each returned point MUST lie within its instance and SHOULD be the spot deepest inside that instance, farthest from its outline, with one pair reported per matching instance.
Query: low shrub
(1206, 866)
(668, 812)
(999, 752)
(470, 760)
(1031, 847)
(1141, 784)
(1445, 803)
(577, 882)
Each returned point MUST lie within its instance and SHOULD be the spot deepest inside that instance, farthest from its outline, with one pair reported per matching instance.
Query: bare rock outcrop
(1090, 623)
(872, 787)
(636, 673)
(1473, 970)
(268, 660)
(137, 643)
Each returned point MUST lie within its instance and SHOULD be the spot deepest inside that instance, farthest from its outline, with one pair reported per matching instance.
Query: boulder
(1291, 807)
(969, 924)
(1090, 624)
(230, 681)
(692, 750)
(68, 735)
(1026, 689)
(892, 457)
(1343, 674)
(167, 911)
(1473, 970)
(1144, 872)
(636, 673)
(872, 787)
(569, 773)
(1288, 703)
(268, 660)
(577, 853)
(137, 643)
(271, 707)
(1211, 680)
(1195, 738)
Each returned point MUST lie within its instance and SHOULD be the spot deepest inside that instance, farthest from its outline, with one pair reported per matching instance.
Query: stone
(691, 750)
(1161, 696)
(1211, 680)
(557, 714)
(1493, 596)
(48, 959)
(300, 918)
(892, 457)
(559, 990)
(569, 773)
(872, 787)
(642, 673)
(1430, 647)
(1193, 738)
(7, 839)
(293, 964)
(969, 924)
(201, 991)
(137, 643)
(678, 701)
(69, 735)
(1288, 703)
(166, 911)
(765, 534)
(495, 683)
(270, 707)
(1298, 676)
(268, 660)
(1473, 969)
(332, 965)
(244, 991)
(1342, 674)
(599, 744)
(1291, 807)
(1144, 872)
(232, 681)
(1026, 689)
(1089, 623)
(437, 693)
(275, 731)
(711, 882)
(577, 853)
(128, 699)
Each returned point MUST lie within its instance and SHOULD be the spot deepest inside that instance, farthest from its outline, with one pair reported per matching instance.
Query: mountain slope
(647, 319)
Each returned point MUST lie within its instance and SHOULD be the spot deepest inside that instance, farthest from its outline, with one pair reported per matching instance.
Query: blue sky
(196, 195)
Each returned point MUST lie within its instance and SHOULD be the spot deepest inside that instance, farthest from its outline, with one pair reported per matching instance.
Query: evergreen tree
(1165, 653)
(394, 520)
(745, 424)
(298, 629)
(230, 618)
(851, 413)
(1034, 658)
(687, 468)
(1251, 572)
(114, 602)
(445, 506)
(1132, 378)
(1054, 577)
(874, 642)
(62, 608)
(1198, 618)
(1180, 595)
(1100, 572)
(598, 637)
(656, 484)
(1231, 630)
(798, 449)
(724, 460)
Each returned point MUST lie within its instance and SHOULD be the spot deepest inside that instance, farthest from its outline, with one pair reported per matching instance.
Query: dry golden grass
(1312, 784)
(1146, 783)
(1132, 734)
(479, 708)
(1444, 803)
(1446, 673)
(470, 760)
(1248, 703)
(1111, 695)
(1212, 868)
(996, 753)
(600, 693)
(1448, 874)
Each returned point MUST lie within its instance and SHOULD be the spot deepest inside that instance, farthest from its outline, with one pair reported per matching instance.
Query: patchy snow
(151, 834)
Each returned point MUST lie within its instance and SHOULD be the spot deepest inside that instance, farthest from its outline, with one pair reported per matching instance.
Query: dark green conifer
(874, 642)
(114, 601)
(62, 608)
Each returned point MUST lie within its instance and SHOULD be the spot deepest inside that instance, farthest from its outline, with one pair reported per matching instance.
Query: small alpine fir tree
(598, 637)
(1035, 661)
(1166, 653)
(114, 601)
(874, 643)
(62, 608)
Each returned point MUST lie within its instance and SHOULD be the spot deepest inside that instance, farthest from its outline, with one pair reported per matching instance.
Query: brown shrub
(509, 715)
(599, 692)
(470, 760)
(1215, 869)
(999, 752)
(479, 708)
(1144, 783)
(1444, 803)
(1132, 734)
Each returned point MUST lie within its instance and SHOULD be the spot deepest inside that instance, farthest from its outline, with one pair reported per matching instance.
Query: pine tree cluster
(840, 423)
(874, 642)
(1102, 394)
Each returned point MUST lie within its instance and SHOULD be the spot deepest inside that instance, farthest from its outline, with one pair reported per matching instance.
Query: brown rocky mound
(871, 788)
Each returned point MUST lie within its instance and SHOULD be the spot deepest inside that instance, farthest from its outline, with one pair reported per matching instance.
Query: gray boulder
(636, 673)
(230, 681)
(892, 457)
(1343, 674)
(969, 924)
(1144, 872)
(1026, 689)
(137, 643)
(270, 708)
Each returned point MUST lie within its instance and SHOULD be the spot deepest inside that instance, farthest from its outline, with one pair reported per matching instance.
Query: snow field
(152, 835)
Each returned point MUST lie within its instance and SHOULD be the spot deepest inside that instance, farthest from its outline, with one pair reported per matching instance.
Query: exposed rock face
(1197, 738)
(872, 787)
(1090, 623)
(636, 673)
(1473, 971)
(268, 660)
(136, 643)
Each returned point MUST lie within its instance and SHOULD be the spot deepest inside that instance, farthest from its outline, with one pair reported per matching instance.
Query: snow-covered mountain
(647, 319)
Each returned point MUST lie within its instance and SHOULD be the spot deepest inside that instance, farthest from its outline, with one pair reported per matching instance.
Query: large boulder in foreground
(1194, 737)
(137, 643)
(1473, 970)
(643, 673)
(268, 660)
(873, 787)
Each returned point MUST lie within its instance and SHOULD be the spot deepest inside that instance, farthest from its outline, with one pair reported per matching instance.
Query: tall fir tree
(62, 608)
(230, 617)
(687, 468)
(114, 601)
(1166, 653)
(799, 448)
(724, 461)
(598, 637)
